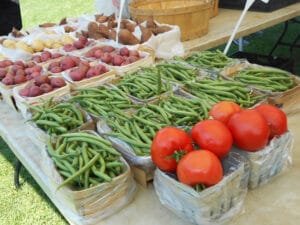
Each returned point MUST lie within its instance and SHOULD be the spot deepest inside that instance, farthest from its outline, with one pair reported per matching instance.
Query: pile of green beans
(139, 129)
(214, 91)
(84, 160)
(266, 79)
(144, 84)
(186, 112)
(176, 72)
(57, 117)
(101, 100)
(209, 59)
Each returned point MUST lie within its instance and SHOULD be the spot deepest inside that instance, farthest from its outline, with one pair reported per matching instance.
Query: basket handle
(147, 49)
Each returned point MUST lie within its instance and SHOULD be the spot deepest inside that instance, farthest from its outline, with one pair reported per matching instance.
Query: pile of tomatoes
(196, 156)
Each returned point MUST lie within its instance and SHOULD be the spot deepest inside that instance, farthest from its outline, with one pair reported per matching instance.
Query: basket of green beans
(90, 174)
(53, 118)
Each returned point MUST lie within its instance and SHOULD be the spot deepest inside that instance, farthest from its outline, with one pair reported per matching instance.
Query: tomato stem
(178, 155)
(199, 187)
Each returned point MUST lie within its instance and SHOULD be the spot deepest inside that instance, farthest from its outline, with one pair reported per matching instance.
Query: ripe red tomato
(214, 136)
(249, 129)
(222, 111)
(275, 118)
(200, 167)
(168, 144)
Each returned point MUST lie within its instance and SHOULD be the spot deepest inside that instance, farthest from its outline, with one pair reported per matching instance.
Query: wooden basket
(215, 8)
(192, 16)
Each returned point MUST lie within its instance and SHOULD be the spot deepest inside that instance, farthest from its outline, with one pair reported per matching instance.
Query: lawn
(30, 205)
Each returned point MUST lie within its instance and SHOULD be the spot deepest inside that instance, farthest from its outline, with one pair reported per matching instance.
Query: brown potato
(146, 34)
(150, 23)
(127, 38)
(93, 31)
(69, 29)
(16, 33)
(161, 29)
(130, 26)
(101, 18)
(47, 25)
(63, 21)
(104, 30)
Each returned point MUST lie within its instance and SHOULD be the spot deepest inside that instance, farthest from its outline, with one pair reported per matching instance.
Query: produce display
(85, 160)
(18, 72)
(221, 89)
(266, 79)
(144, 84)
(209, 59)
(102, 100)
(113, 56)
(57, 117)
(105, 27)
(42, 85)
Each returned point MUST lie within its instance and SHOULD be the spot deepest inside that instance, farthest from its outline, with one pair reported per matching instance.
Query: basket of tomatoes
(201, 186)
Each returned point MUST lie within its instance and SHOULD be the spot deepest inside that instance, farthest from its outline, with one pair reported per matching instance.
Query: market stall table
(221, 27)
(274, 203)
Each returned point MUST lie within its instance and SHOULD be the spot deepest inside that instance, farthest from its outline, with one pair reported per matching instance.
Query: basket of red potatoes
(45, 56)
(121, 59)
(203, 175)
(18, 72)
(63, 63)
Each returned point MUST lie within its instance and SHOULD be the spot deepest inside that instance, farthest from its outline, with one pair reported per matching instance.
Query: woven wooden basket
(192, 16)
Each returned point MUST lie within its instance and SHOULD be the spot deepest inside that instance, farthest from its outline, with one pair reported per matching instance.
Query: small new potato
(8, 43)
(37, 45)
(66, 39)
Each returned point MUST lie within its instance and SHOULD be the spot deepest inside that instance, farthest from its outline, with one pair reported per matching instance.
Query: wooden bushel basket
(192, 16)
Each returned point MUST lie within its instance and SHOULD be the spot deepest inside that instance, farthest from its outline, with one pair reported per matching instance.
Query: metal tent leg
(18, 167)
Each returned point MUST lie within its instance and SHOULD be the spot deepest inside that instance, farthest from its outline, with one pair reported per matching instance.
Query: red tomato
(222, 111)
(214, 136)
(249, 129)
(200, 167)
(168, 144)
(275, 118)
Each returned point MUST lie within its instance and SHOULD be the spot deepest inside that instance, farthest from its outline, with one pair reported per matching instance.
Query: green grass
(30, 205)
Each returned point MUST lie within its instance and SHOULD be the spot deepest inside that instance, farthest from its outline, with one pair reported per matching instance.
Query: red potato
(19, 79)
(24, 92)
(8, 80)
(106, 58)
(28, 71)
(5, 63)
(117, 60)
(57, 82)
(34, 91)
(45, 88)
(133, 59)
(134, 53)
(28, 77)
(69, 48)
(90, 53)
(35, 74)
(56, 55)
(45, 56)
(14, 68)
(19, 63)
(37, 58)
(2, 73)
(67, 63)
(37, 68)
(20, 72)
(75, 59)
(98, 54)
(83, 40)
(124, 51)
(78, 44)
(30, 64)
(107, 49)
(77, 74)
(92, 73)
(39, 80)
(53, 64)
(56, 69)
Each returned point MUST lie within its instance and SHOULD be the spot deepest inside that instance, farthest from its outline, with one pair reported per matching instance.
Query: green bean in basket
(56, 117)
(84, 160)
(186, 112)
(144, 84)
(266, 79)
(209, 59)
(101, 100)
(214, 91)
(177, 72)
